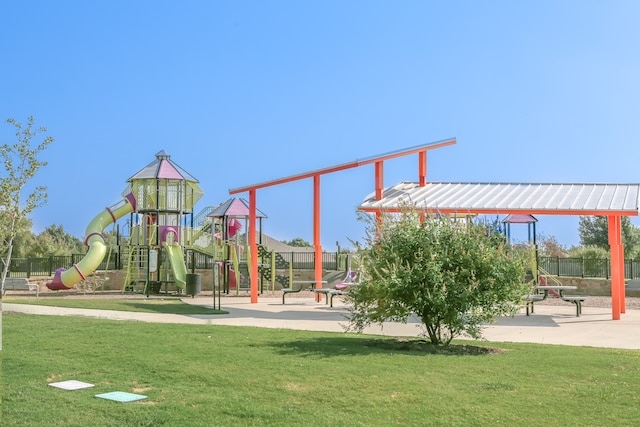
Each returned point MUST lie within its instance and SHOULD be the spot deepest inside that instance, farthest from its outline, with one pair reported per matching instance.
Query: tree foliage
(589, 252)
(298, 242)
(453, 276)
(549, 246)
(20, 166)
(57, 242)
(594, 231)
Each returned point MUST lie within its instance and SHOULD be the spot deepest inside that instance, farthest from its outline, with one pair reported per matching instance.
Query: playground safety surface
(551, 324)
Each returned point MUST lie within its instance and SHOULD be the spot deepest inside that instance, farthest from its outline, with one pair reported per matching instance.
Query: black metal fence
(27, 267)
(586, 267)
(573, 267)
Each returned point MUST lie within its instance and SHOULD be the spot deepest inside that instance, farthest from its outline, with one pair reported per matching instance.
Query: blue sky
(248, 91)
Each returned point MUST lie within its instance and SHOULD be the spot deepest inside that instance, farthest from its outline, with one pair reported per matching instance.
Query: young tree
(20, 166)
(453, 275)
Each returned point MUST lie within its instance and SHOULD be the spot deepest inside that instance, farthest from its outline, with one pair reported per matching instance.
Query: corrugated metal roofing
(558, 199)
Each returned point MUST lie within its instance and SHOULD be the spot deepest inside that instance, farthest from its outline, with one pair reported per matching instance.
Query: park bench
(329, 293)
(19, 284)
(532, 298)
(338, 289)
(577, 300)
(325, 292)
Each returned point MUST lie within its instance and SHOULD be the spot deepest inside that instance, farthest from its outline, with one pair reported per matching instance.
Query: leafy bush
(453, 275)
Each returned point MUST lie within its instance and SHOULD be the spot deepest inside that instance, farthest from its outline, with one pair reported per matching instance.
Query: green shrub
(453, 275)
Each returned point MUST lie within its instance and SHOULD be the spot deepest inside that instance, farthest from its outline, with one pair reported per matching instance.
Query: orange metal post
(617, 265)
(316, 230)
(422, 168)
(379, 180)
(379, 190)
(253, 247)
(623, 301)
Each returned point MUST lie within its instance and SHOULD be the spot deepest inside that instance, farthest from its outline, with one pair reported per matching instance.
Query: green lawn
(207, 375)
(155, 305)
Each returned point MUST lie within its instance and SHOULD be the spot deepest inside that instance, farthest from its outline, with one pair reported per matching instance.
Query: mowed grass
(208, 375)
(154, 305)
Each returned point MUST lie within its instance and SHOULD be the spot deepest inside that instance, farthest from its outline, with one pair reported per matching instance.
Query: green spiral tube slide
(65, 279)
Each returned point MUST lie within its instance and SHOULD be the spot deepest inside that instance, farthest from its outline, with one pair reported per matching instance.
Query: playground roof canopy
(503, 198)
(163, 168)
(519, 219)
(234, 207)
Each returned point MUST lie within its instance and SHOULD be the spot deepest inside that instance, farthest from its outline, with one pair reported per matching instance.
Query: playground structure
(161, 198)
(162, 231)
(230, 245)
(161, 226)
(530, 220)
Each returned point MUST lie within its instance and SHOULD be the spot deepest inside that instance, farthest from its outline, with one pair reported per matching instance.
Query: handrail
(548, 275)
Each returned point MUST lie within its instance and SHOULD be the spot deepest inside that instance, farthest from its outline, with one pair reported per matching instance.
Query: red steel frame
(614, 217)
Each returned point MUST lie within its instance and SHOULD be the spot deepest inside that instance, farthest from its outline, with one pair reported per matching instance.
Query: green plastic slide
(174, 252)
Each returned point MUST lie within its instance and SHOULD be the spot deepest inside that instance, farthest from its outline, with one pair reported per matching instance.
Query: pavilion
(468, 198)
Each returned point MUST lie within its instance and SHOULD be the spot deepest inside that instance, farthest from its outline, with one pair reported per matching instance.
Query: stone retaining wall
(114, 280)
(595, 287)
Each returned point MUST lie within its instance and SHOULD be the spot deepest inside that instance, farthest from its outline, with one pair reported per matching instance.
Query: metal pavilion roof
(612, 200)
(503, 198)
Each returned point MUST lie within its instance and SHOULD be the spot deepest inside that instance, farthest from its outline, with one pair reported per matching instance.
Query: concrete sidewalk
(549, 325)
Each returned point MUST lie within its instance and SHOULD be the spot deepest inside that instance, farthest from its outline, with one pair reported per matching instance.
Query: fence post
(273, 271)
(558, 265)
(582, 275)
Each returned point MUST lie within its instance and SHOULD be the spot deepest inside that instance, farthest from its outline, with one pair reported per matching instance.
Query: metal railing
(587, 267)
(46, 266)
(557, 266)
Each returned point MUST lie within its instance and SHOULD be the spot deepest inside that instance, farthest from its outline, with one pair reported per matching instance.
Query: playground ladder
(137, 266)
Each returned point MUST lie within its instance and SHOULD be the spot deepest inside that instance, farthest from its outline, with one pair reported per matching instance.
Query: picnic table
(329, 293)
(559, 290)
(302, 284)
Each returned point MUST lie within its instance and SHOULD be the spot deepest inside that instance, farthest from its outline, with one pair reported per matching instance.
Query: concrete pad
(549, 324)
